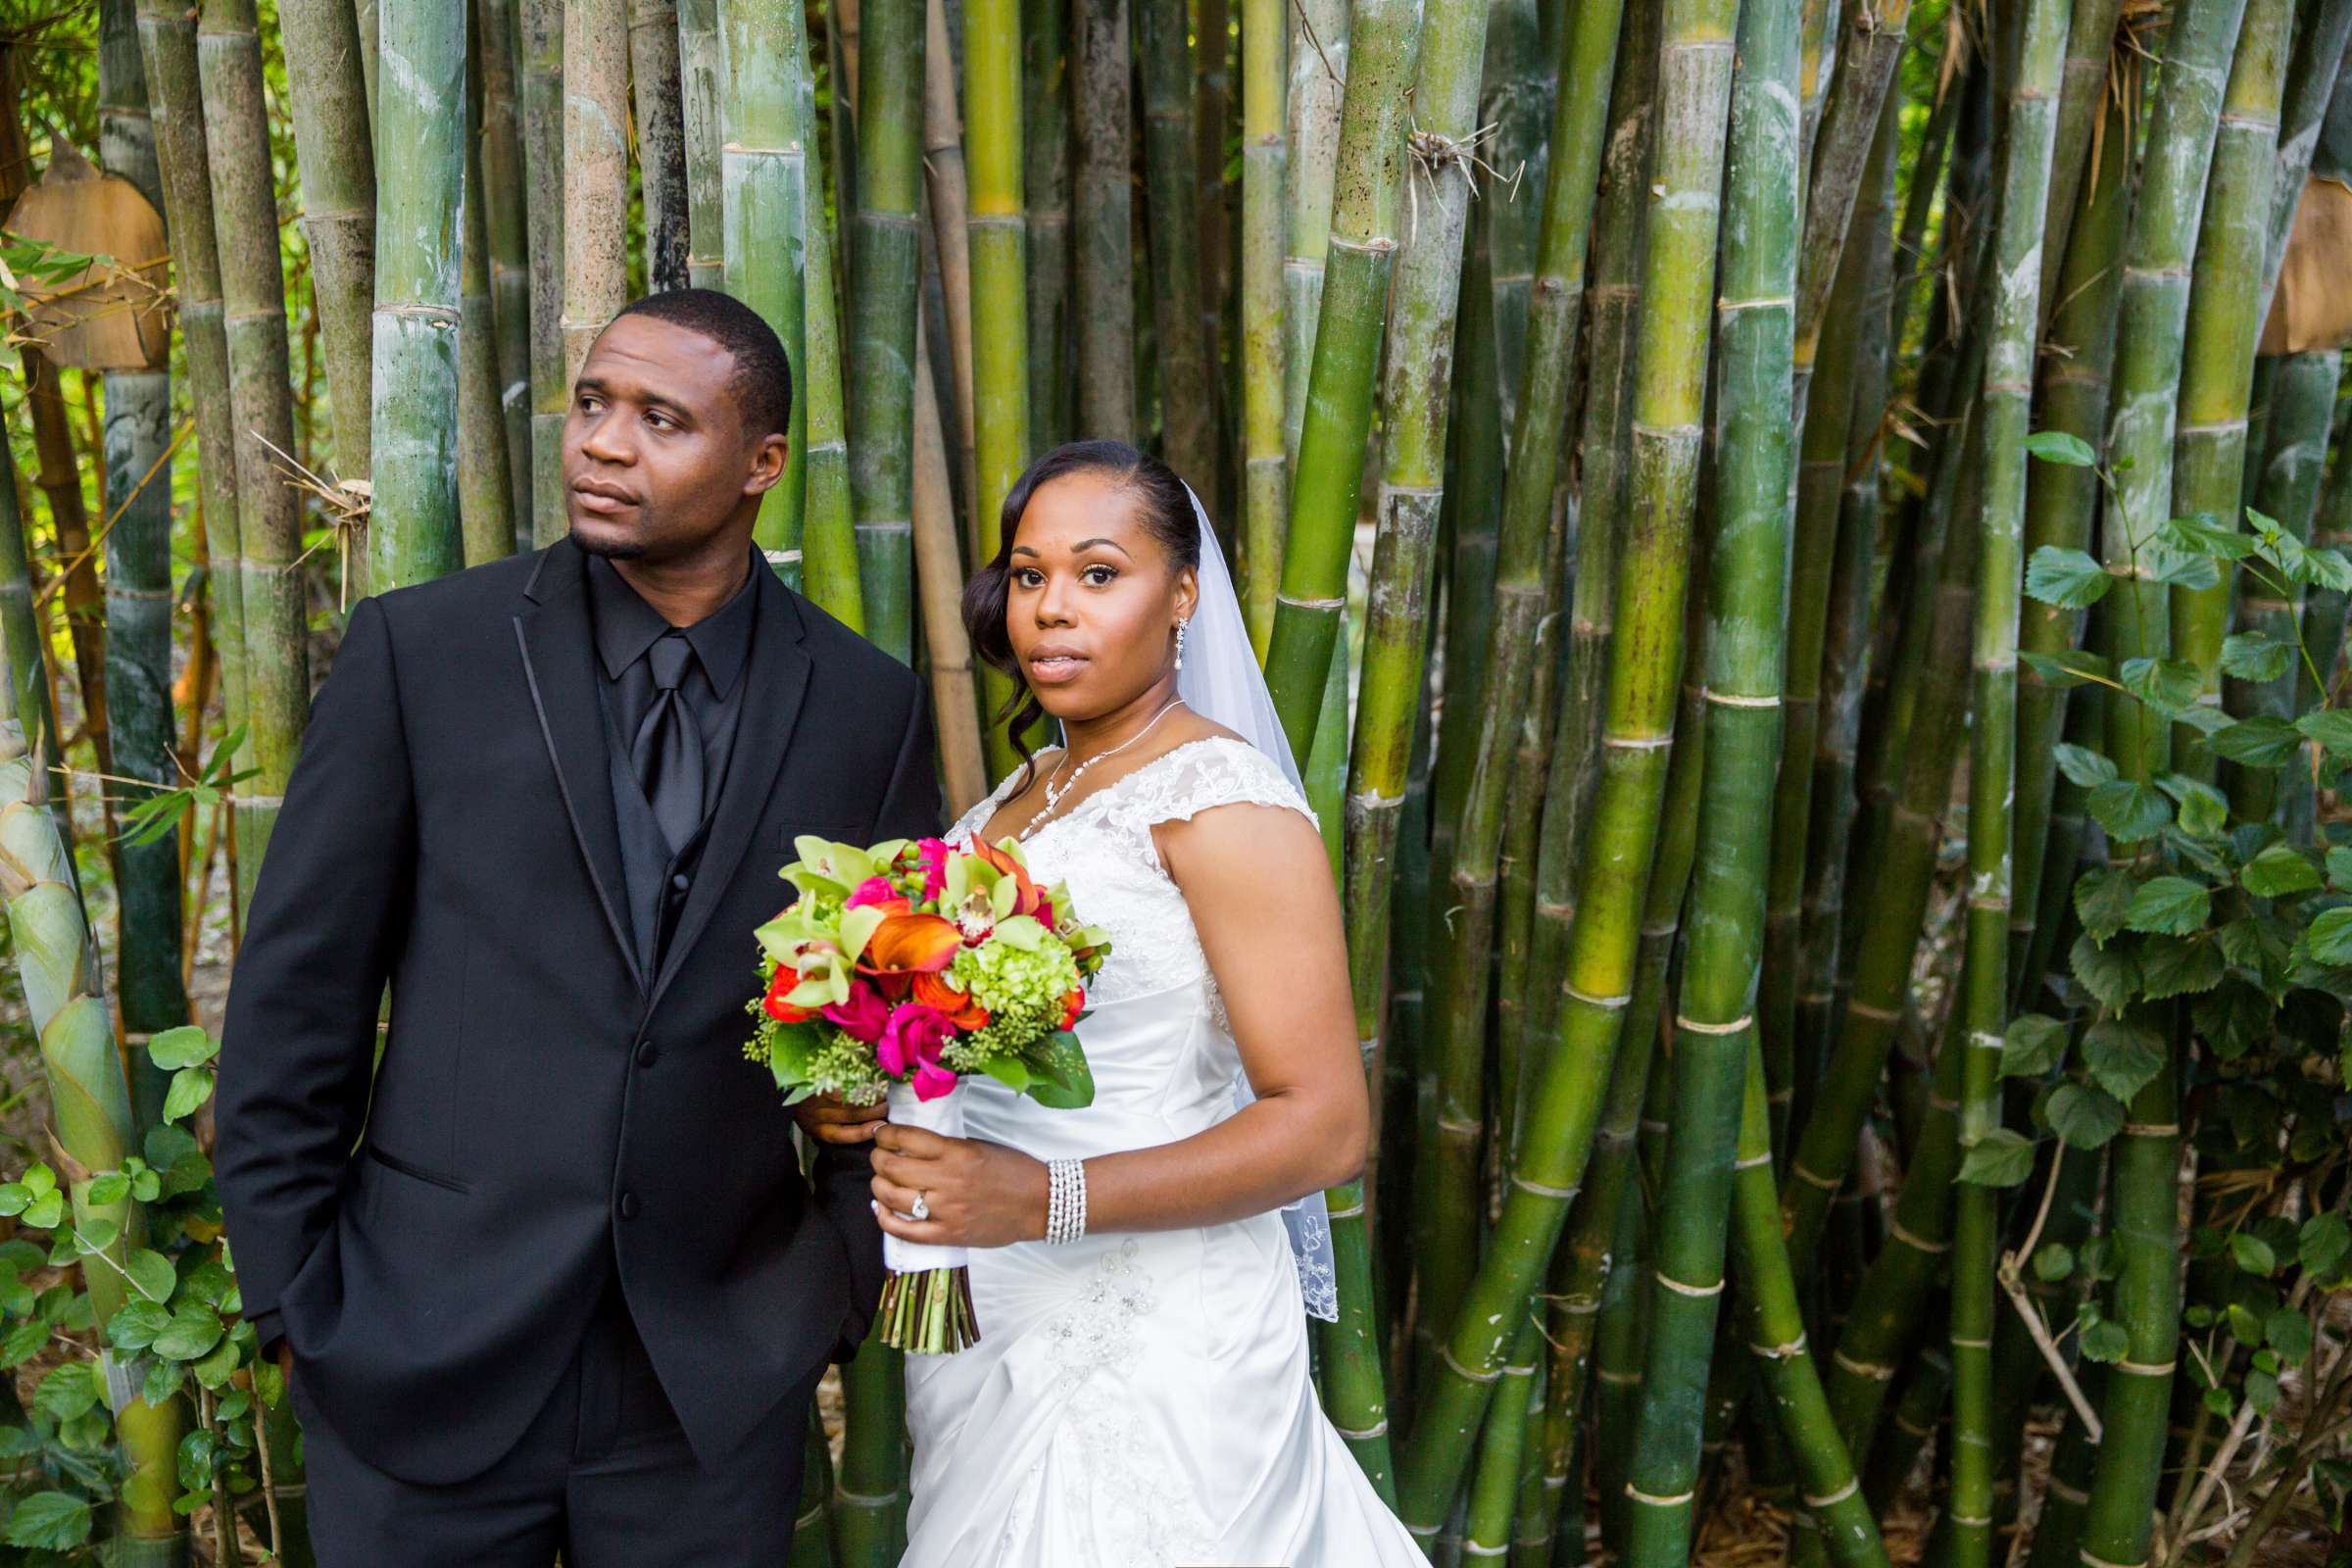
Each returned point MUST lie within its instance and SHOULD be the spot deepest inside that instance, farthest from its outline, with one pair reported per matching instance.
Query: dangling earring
(1180, 644)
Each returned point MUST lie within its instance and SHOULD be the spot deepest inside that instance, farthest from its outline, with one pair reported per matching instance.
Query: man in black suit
(549, 1279)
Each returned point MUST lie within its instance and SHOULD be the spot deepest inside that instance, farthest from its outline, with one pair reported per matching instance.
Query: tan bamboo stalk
(701, 83)
(333, 105)
(1319, 82)
(947, 189)
(228, 49)
(1265, 468)
(939, 575)
(596, 173)
(1104, 260)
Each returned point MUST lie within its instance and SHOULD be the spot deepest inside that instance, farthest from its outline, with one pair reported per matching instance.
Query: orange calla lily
(961, 1010)
(1029, 896)
(907, 944)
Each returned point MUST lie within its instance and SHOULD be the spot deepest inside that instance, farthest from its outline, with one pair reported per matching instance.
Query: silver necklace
(1055, 797)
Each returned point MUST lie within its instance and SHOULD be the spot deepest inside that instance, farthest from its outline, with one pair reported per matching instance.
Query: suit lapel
(778, 681)
(552, 634)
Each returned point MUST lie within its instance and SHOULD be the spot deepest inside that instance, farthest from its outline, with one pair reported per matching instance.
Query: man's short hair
(762, 378)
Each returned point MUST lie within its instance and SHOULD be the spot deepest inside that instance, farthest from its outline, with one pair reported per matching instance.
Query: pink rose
(864, 1016)
(932, 1080)
(932, 854)
(877, 890)
(911, 1039)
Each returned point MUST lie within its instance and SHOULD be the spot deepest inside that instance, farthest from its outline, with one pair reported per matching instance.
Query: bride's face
(1092, 601)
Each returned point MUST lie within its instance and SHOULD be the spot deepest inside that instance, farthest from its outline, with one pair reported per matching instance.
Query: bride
(1143, 1269)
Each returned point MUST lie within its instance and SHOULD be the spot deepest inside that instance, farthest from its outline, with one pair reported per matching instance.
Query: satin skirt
(1138, 1402)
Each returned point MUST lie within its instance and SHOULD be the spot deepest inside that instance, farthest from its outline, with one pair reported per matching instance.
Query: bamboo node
(1960, 1344)
(1695, 1292)
(781, 558)
(1637, 743)
(1733, 1027)
(2146, 1369)
(1565, 1193)
(1734, 700)
(1780, 1352)
(1377, 1429)
(1446, 1354)
(1974, 1521)
(1752, 1162)
(2152, 1129)
(867, 1499)
(1830, 1499)
(1804, 1173)
(1471, 1548)
(1607, 1003)
(2074, 1495)
(1655, 1501)
(1917, 1243)
(1870, 1010)
(2093, 1559)
(1869, 1371)
(1310, 604)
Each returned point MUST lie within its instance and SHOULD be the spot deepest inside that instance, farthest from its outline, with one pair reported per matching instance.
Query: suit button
(628, 1205)
(647, 1056)
(678, 883)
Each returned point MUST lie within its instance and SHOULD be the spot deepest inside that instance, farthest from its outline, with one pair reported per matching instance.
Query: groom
(546, 1274)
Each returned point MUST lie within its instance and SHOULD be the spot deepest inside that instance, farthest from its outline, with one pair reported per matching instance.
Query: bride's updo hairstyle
(1162, 507)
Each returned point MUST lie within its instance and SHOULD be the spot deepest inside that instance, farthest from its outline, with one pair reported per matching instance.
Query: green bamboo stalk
(2058, 1531)
(1694, 74)
(1046, 180)
(28, 672)
(1920, 1410)
(1747, 642)
(1265, 467)
(1502, 1447)
(1515, 99)
(2302, 406)
(138, 606)
(485, 489)
(1318, 79)
(999, 402)
(1835, 1511)
(369, 27)
(1614, 300)
(702, 84)
(2008, 392)
(333, 105)
(870, 1489)
(413, 532)
(596, 165)
(2210, 444)
(2322, 623)
(2321, 40)
(498, 38)
(829, 541)
(661, 140)
(765, 232)
(812, 1531)
(228, 52)
(1104, 266)
(1326, 479)
(948, 205)
(541, 58)
(1173, 218)
(885, 265)
(1617, 1362)
(2148, 349)
(175, 96)
(2061, 501)
(2084, 101)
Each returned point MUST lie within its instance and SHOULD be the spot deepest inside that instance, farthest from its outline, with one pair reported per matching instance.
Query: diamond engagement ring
(922, 1208)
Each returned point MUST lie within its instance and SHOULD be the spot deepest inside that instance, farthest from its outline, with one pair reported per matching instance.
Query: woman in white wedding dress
(1140, 1397)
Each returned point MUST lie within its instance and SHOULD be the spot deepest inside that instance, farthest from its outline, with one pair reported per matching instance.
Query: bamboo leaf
(2172, 904)
(2121, 1057)
(2071, 579)
(2278, 870)
(2060, 447)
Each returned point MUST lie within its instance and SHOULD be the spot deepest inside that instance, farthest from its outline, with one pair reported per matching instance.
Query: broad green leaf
(151, 1275)
(2070, 579)
(40, 1181)
(2181, 569)
(2329, 937)
(2262, 1392)
(2109, 973)
(2205, 535)
(2339, 868)
(48, 1521)
(2253, 1253)
(2289, 1332)
(2324, 1242)
(2178, 966)
(191, 1088)
(2204, 810)
(193, 1331)
(184, 1047)
(2001, 1159)
(2121, 1057)
(2106, 1341)
(2278, 871)
(2167, 683)
(2331, 727)
(2032, 1045)
(2082, 765)
(2061, 447)
(68, 1391)
(25, 1341)
(46, 1210)
(2084, 1116)
(135, 1326)
(2059, 671)
(2053, 1261)
(2172, 904)
(2327, 568)
(2250, 655)
(2263, 741)
(2129, 810)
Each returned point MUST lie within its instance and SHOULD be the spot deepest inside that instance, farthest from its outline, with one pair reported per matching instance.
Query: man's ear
(767, 462)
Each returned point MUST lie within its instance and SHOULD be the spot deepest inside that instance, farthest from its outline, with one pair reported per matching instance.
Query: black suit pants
(602, 1475)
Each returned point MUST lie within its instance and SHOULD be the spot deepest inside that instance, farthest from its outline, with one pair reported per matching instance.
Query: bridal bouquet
(897, 970)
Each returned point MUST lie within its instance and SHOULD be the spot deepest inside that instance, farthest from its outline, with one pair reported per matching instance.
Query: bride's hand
(978, 1194)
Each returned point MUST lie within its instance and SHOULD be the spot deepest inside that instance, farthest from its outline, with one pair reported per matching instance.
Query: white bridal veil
(1220, 681)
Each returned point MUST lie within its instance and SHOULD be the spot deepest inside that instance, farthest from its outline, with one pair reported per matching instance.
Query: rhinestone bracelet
(1065, 1204)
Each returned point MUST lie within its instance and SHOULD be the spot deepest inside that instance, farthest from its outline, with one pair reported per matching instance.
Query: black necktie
(668, 750)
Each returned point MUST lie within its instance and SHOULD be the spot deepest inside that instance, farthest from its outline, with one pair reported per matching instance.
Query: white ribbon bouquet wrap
(944, 1116)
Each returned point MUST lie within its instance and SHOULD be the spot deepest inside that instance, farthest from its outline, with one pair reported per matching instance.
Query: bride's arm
(1258, 884)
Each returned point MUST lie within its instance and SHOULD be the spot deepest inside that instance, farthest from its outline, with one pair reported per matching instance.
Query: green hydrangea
(1022, 989)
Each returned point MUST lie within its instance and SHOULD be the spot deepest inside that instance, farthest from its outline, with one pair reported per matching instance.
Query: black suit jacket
(543, 1113)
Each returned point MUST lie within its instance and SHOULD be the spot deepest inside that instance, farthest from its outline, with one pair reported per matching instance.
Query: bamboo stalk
(596, 161)
(886, 263)
(1104, 259)
(333, 105)
(1516, 102)
(1265, 467)
(948, 188)
(996, 230)
(1326, 480)
(1695, 79)
(1173, 220)
(414, 531)
(701, 82)
(2320, 41)
(485, 491)
(228, 52)
(661, 140)
(1046, 180)
(2084, 101)
(498, 40)
(829, 540)
(542, 66)
(1318, 82)
(939, 573)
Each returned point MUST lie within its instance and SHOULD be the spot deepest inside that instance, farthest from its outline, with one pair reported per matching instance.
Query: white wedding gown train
(1138, 1401)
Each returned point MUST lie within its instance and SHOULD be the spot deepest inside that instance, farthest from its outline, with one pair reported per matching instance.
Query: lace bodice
(1103, 847)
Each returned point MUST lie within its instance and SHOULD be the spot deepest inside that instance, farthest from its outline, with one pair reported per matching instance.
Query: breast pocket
(838, 829)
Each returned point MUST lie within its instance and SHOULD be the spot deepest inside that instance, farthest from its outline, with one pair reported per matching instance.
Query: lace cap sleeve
(1191, 779)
